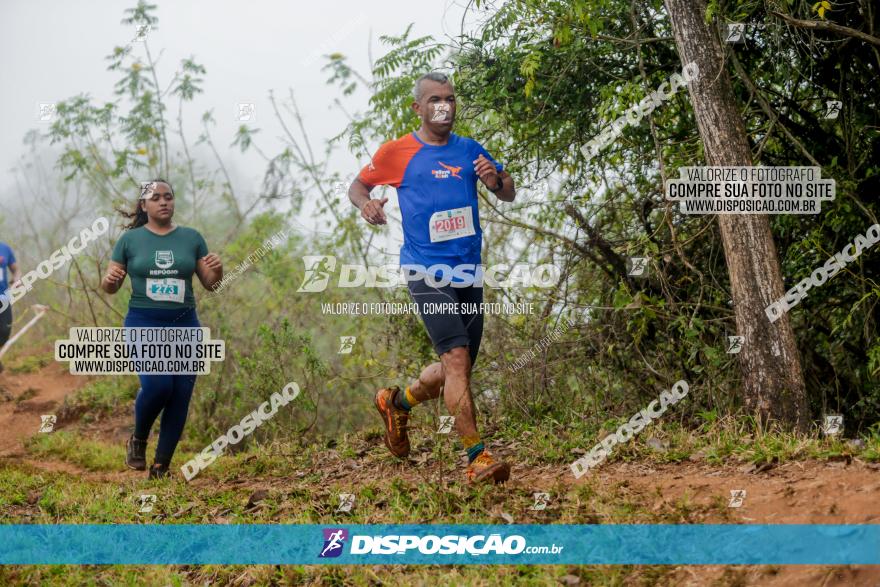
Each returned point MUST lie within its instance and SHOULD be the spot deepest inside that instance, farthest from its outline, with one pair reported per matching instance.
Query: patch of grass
(126, 575)
(31, 363)
(14, 487)
(546, 441)
(359, 576)
(70, 447)
(872, 444)
(101, 397)
(26, 395)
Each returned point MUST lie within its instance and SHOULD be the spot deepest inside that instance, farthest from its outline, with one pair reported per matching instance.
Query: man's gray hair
(434, 76)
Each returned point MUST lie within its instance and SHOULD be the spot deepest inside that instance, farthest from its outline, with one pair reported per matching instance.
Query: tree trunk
(773, 385)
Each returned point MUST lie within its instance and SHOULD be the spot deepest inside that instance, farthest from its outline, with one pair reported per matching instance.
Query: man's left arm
(498, 182)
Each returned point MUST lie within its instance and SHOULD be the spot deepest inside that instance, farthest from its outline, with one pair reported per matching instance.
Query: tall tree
(773, 385)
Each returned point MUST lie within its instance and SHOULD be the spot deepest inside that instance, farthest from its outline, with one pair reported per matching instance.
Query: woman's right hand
(114, 276)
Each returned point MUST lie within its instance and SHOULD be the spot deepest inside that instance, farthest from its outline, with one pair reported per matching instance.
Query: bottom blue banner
(440, 544)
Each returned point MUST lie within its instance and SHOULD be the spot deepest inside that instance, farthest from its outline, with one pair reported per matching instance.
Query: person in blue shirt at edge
(161, 258)
(9, 276)
(435, 173)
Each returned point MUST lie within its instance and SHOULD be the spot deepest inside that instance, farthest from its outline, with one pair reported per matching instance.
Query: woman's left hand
(212, 261)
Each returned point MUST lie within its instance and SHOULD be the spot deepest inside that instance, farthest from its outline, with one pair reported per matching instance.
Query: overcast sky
(54, 49)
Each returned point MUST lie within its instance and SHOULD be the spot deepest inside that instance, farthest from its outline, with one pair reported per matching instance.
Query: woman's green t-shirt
(160, 266)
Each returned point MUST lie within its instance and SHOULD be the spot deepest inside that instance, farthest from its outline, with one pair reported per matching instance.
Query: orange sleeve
(389, 163)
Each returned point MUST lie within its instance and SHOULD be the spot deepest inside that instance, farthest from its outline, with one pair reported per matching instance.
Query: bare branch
(821, 25)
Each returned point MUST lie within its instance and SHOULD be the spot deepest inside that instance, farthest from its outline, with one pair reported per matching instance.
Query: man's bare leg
(452, 377)
(460, 403)
(457, 392)
(429, 384)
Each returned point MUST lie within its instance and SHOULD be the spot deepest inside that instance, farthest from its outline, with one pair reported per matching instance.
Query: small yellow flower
(136, 66)
(141, 151)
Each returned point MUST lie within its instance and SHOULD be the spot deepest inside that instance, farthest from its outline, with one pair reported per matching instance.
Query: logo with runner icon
(164, 259)
(334, 540)
(318, 271)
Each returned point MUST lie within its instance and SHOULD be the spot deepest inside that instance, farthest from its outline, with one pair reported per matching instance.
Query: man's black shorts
(447, 326)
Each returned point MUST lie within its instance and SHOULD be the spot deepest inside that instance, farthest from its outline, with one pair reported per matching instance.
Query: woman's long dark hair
(138, 216)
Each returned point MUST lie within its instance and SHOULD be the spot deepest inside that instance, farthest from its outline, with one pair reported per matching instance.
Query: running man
(9, 276)
(161, 258)
(435, 173)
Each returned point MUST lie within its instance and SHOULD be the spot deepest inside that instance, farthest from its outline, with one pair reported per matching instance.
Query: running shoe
(136, 454)
(158, 471)
(485, 468)
(395, 420)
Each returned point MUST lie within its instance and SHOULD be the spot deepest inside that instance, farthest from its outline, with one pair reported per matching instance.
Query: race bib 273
(166, 290)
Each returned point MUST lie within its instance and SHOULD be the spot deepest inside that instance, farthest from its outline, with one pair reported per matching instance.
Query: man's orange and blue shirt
(437, 191)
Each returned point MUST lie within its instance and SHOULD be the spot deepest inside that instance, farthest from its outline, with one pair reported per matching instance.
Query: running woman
(161, 258)
(9, 275)
(435, 173)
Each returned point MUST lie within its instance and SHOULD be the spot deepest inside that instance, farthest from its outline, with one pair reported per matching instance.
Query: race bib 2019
(450, 224)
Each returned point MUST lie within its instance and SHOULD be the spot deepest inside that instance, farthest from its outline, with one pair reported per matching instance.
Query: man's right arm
(359, 193)
(385, 168)
(371, 210)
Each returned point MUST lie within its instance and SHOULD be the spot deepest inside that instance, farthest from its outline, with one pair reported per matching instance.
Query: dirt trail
(804, 492)
(24, 397)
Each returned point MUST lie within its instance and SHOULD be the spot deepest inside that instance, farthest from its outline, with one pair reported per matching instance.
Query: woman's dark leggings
(168, 394)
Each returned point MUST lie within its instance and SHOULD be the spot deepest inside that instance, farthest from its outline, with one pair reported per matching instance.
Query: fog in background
(53, 50)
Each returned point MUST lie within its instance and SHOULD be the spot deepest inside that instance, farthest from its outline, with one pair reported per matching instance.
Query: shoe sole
(385, 424)
(499, 473)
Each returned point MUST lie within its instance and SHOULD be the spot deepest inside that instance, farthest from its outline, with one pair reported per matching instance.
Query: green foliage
(394, 75)
(538, 82)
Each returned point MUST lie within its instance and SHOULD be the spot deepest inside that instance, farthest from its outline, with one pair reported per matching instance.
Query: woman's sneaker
(136, 454)
(486, 468)
(158, 471)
